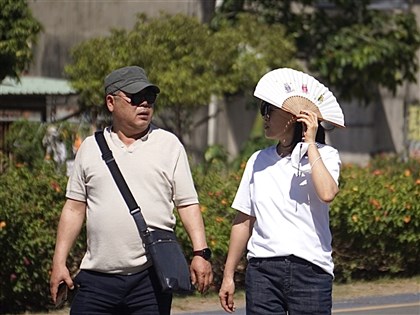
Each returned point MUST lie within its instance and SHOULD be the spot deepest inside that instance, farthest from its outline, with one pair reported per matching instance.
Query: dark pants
(100, 293)
(287, 285)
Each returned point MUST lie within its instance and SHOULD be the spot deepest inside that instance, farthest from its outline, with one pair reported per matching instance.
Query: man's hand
(59, 274)
(201, 274)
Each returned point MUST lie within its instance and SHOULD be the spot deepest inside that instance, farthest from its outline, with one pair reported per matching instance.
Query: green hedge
(374, 219)
(30, 206)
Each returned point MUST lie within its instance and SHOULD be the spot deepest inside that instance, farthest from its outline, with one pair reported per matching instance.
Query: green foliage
(178, 60)
(376, 212)
(18, 32)
(189, 66)
(24, 141)
(380, 52)
(257, 142)
(216, 186)
(30, 205)
(94, 59)
(250, 48)
(352, 47)
(375, 220)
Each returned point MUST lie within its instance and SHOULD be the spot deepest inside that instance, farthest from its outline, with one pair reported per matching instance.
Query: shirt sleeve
(184, 191)
(76, 188)
(242, 200)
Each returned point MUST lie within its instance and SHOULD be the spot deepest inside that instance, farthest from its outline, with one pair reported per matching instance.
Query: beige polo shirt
(157, 171)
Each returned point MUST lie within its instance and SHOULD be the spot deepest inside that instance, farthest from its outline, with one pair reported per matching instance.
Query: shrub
(375, 220)
(31, 143)
(24, 140)
(216, 186)
(30, 206)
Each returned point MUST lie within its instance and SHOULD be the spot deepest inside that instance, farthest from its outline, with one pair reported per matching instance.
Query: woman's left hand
(310, 122)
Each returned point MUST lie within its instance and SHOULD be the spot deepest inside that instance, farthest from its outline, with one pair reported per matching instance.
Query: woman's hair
(297, 136)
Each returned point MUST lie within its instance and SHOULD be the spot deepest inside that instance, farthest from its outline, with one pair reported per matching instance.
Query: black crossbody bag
(162, 246)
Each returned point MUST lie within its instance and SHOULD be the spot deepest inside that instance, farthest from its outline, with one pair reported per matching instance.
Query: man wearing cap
(115, 275)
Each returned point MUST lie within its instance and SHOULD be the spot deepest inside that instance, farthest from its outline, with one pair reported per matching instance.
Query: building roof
(29, 85)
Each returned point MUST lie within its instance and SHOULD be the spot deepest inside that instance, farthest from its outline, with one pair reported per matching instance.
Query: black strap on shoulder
(134, 209)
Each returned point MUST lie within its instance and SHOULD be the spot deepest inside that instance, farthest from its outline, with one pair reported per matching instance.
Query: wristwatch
(205, 253)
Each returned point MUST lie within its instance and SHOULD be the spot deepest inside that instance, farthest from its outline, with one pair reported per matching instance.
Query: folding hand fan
(294, 91)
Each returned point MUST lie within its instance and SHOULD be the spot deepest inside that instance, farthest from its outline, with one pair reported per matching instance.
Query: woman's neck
(283, 150)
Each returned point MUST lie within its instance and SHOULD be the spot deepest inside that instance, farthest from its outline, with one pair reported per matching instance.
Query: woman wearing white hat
(282, 202)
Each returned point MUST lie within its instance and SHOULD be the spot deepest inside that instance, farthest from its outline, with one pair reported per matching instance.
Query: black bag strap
(133, 207)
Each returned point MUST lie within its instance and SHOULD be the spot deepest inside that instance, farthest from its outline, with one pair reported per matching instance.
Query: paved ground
(352, 295)
(401, 304)
(360, 295)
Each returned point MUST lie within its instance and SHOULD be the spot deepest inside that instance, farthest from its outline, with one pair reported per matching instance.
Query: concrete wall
(68, 22)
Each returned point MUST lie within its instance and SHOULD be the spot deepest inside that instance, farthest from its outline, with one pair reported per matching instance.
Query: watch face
(206, 253)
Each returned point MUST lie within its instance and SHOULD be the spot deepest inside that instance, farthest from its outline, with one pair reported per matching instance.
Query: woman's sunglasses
(266, 109)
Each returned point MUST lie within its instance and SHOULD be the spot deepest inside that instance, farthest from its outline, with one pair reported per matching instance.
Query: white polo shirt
(290, 218)
(156, 169)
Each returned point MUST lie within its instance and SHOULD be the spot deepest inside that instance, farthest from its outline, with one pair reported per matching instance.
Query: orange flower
(219, 219)
(203, 208)
(55, 186)
(77, 142)
(377, 172)
(407, 173)
(407, 218)
(354, 218)
(224, 202)
(2, 224)
(375, 203)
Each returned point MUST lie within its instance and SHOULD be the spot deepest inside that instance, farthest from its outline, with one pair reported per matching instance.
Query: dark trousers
(287, 285)
(100, 293)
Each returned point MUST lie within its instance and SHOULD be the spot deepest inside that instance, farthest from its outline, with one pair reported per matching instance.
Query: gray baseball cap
(130, 79)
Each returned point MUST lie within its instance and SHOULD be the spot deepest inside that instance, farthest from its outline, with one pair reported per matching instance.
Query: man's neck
(128, 137)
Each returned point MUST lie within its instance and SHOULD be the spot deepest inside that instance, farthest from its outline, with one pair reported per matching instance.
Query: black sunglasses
(266, 109)
(138, 98)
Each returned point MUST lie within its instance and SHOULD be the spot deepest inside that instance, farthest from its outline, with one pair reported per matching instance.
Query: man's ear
(110, 102)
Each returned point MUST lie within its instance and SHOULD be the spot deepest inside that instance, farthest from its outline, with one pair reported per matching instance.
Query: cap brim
(136, 87)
